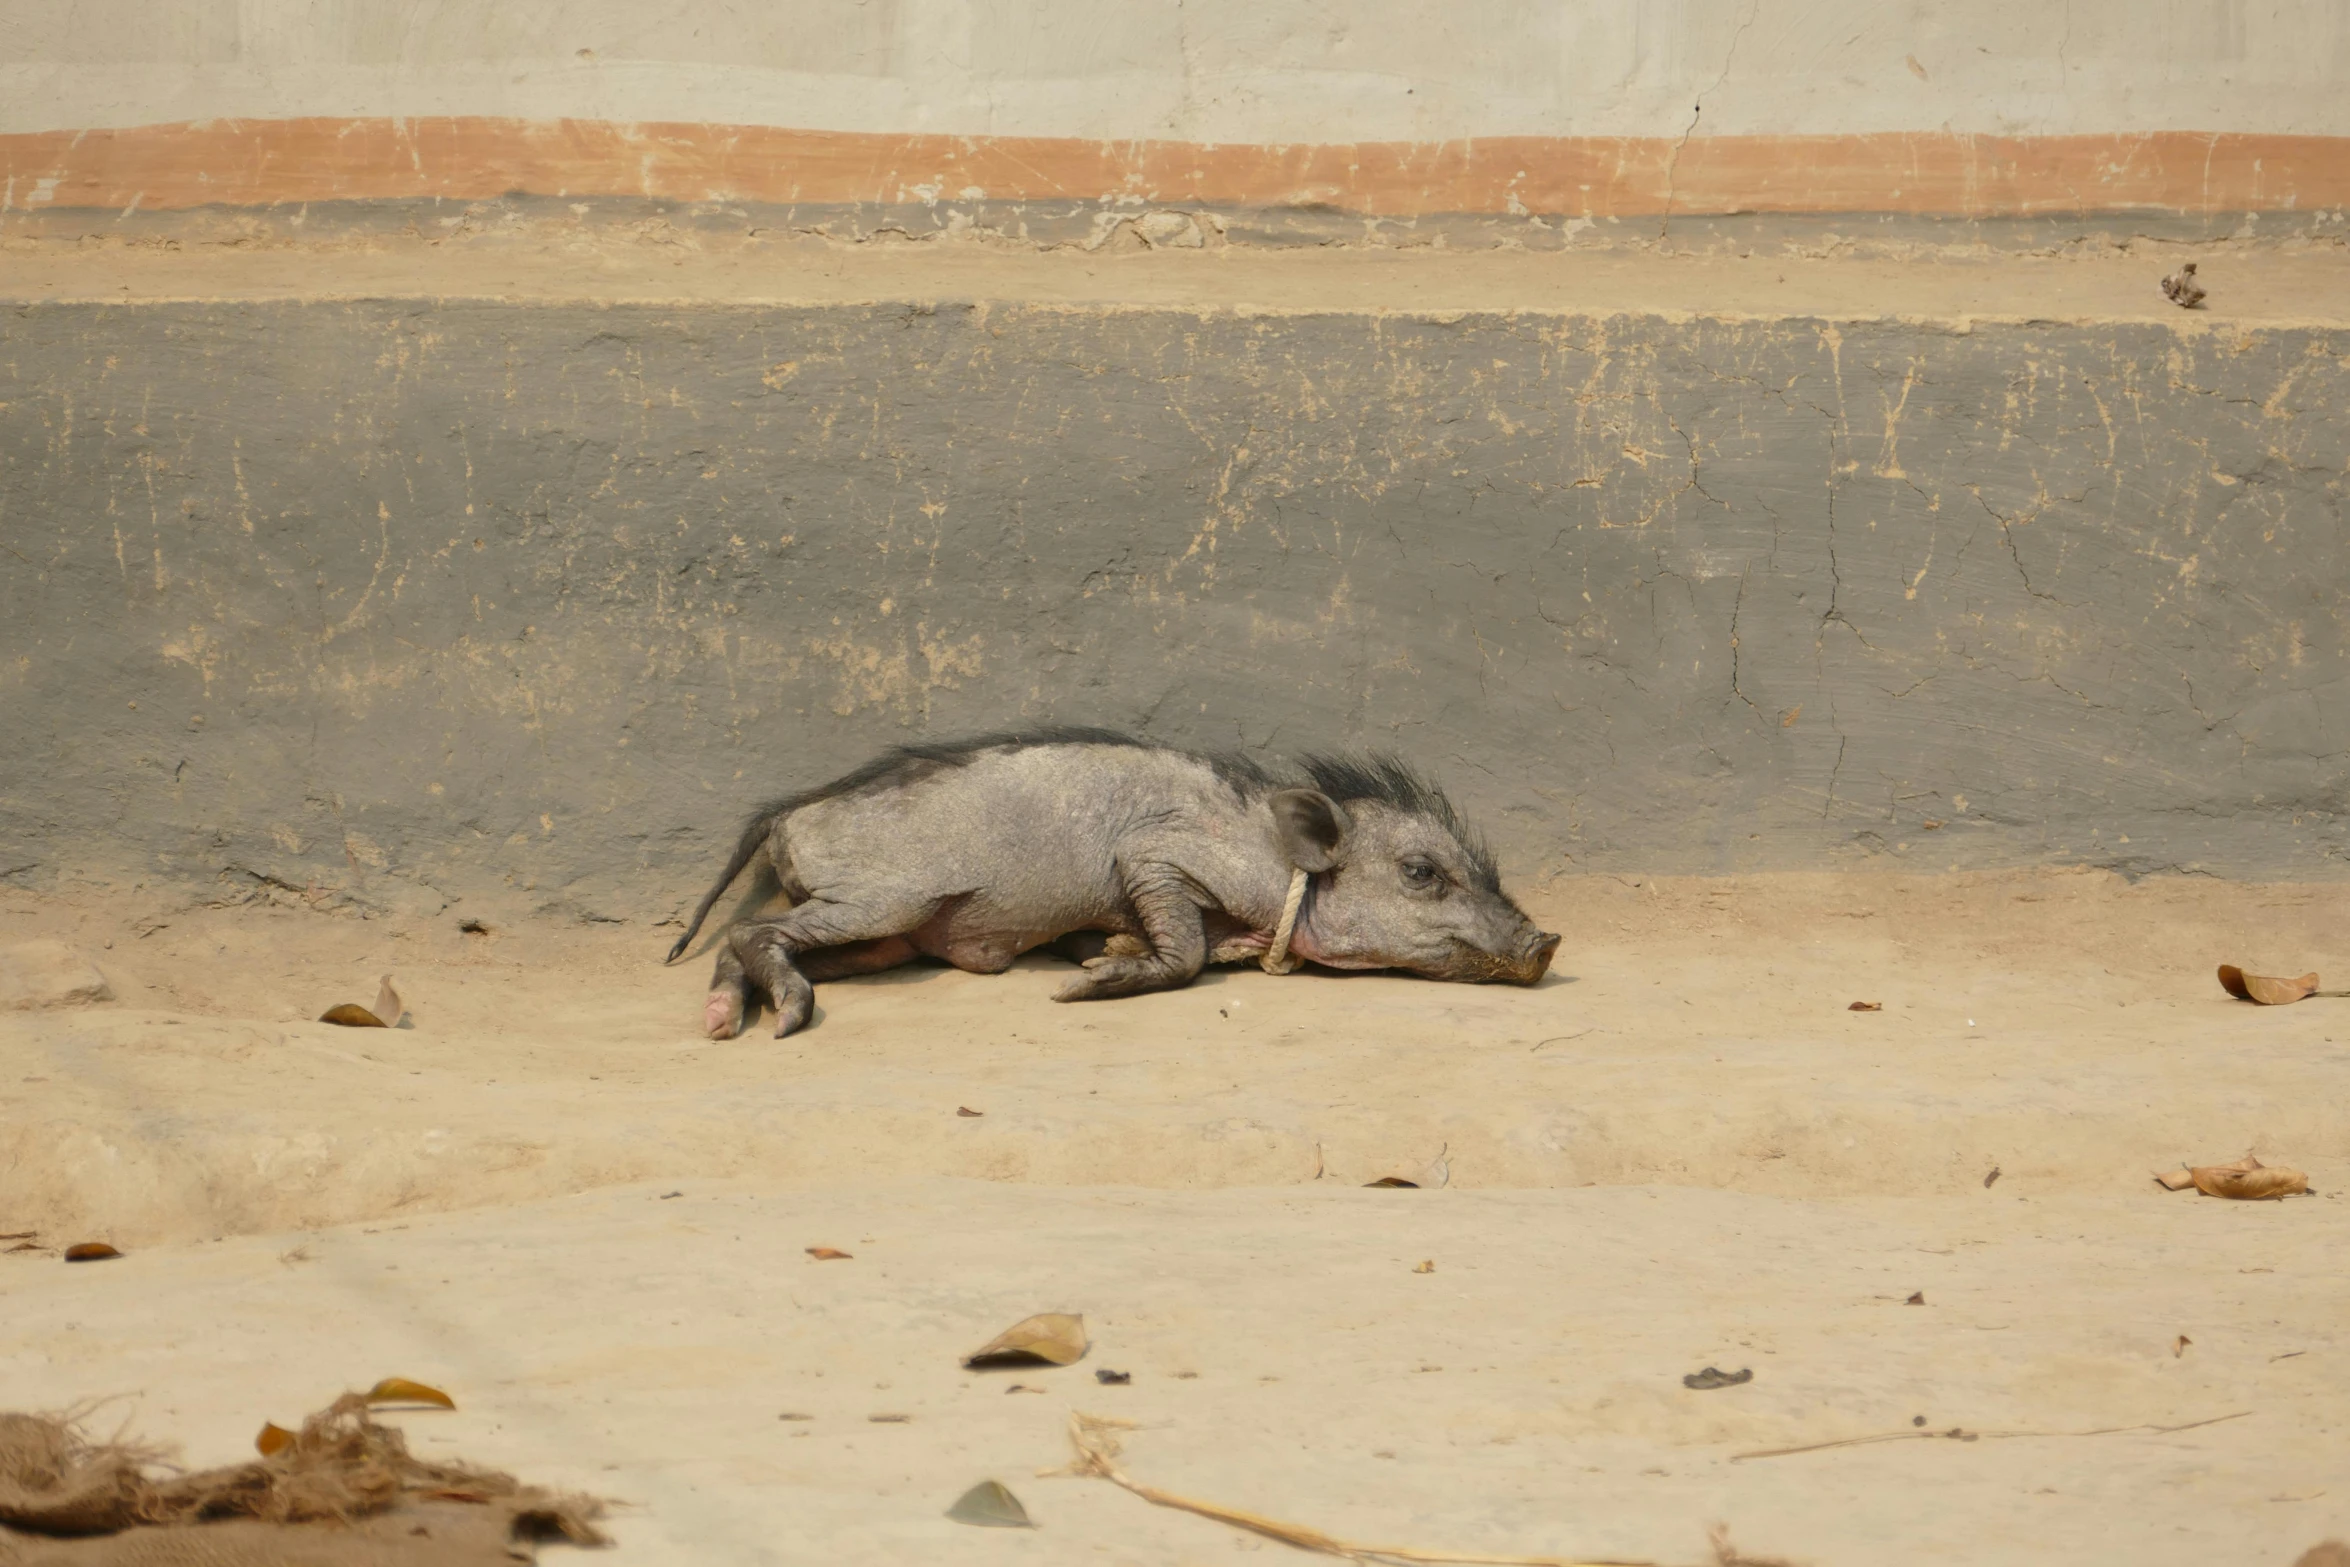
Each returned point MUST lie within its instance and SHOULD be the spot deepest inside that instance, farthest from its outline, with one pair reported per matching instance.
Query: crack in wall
(1696, 113)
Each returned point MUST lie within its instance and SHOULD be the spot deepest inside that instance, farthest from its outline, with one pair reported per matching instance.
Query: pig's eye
(1421, 875)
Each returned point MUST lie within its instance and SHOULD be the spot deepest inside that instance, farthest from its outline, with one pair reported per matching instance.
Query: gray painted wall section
(407, 602)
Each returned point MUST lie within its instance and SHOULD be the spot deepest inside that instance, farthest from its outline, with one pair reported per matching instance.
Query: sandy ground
(1679, 1151)
(2268, 286)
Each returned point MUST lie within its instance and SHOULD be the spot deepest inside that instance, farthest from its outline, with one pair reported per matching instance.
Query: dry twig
(1096, 1441)
(1955, 1433)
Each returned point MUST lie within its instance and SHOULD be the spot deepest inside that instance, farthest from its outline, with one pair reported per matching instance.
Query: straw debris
(341, 1489)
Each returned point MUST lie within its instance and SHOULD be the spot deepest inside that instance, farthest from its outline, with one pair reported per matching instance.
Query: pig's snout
(1533, 956)
(1521, 961)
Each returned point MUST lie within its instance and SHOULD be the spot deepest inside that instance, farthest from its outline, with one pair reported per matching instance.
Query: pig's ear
(1313, 829)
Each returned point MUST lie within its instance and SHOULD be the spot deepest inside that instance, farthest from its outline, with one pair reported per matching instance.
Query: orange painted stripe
(259, 163)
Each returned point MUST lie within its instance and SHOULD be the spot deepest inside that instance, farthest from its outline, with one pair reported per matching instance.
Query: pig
(1144, 861)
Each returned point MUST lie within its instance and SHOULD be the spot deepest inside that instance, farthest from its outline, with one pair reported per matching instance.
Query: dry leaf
(350, 1016)
(1714, 1376)
(273, 1439)
(1992, 1179)
(2263, 988)
(1393, 1180)
(889, 1420)
(1022, 1387)
(2249, 1185)
(828, 1254)
(2246, 1179)
(2180, 1348)
(1052, 1338)
(1108, 1378)
(1866, 1006)
(389, 1009)
(1425, 1267)
(1917, 1298)
(399, 1390)
(989, 1506)
(967, 1110)
(90, 1251)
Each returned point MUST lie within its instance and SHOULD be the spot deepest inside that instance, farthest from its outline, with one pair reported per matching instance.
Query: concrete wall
(410, 601)
(1559, 111)
(1209, 71)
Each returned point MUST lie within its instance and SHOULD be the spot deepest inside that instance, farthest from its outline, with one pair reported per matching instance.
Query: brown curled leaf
(274, 1439)
(829, 1254)
(1866, 1006)
(1393, 1180)
(2180, 1179)
(968, 1113)
(90, 1251)
(2249, 1185)
(349, 1015)
(1051, 1338)
(2265, 989)
(399, 1390)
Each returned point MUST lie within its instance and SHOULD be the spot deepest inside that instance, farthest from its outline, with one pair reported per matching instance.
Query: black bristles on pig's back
(904, 764)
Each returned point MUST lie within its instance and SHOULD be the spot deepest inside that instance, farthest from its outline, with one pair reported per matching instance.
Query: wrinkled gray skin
(978, 851)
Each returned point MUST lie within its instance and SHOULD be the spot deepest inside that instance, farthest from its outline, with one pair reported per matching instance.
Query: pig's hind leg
(831, 938)
(731, 1001)
(1174, 934)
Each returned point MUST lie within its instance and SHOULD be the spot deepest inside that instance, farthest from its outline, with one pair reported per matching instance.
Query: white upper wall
(1225, 71)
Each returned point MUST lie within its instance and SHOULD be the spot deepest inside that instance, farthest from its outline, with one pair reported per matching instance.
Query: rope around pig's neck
(1277, 959)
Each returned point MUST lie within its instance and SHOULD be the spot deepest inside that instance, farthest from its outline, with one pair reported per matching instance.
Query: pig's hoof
(722, 1015)
(792, 1013)
(1106, 977)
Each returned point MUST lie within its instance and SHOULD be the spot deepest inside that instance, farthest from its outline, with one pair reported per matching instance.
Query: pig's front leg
(1173, 929)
